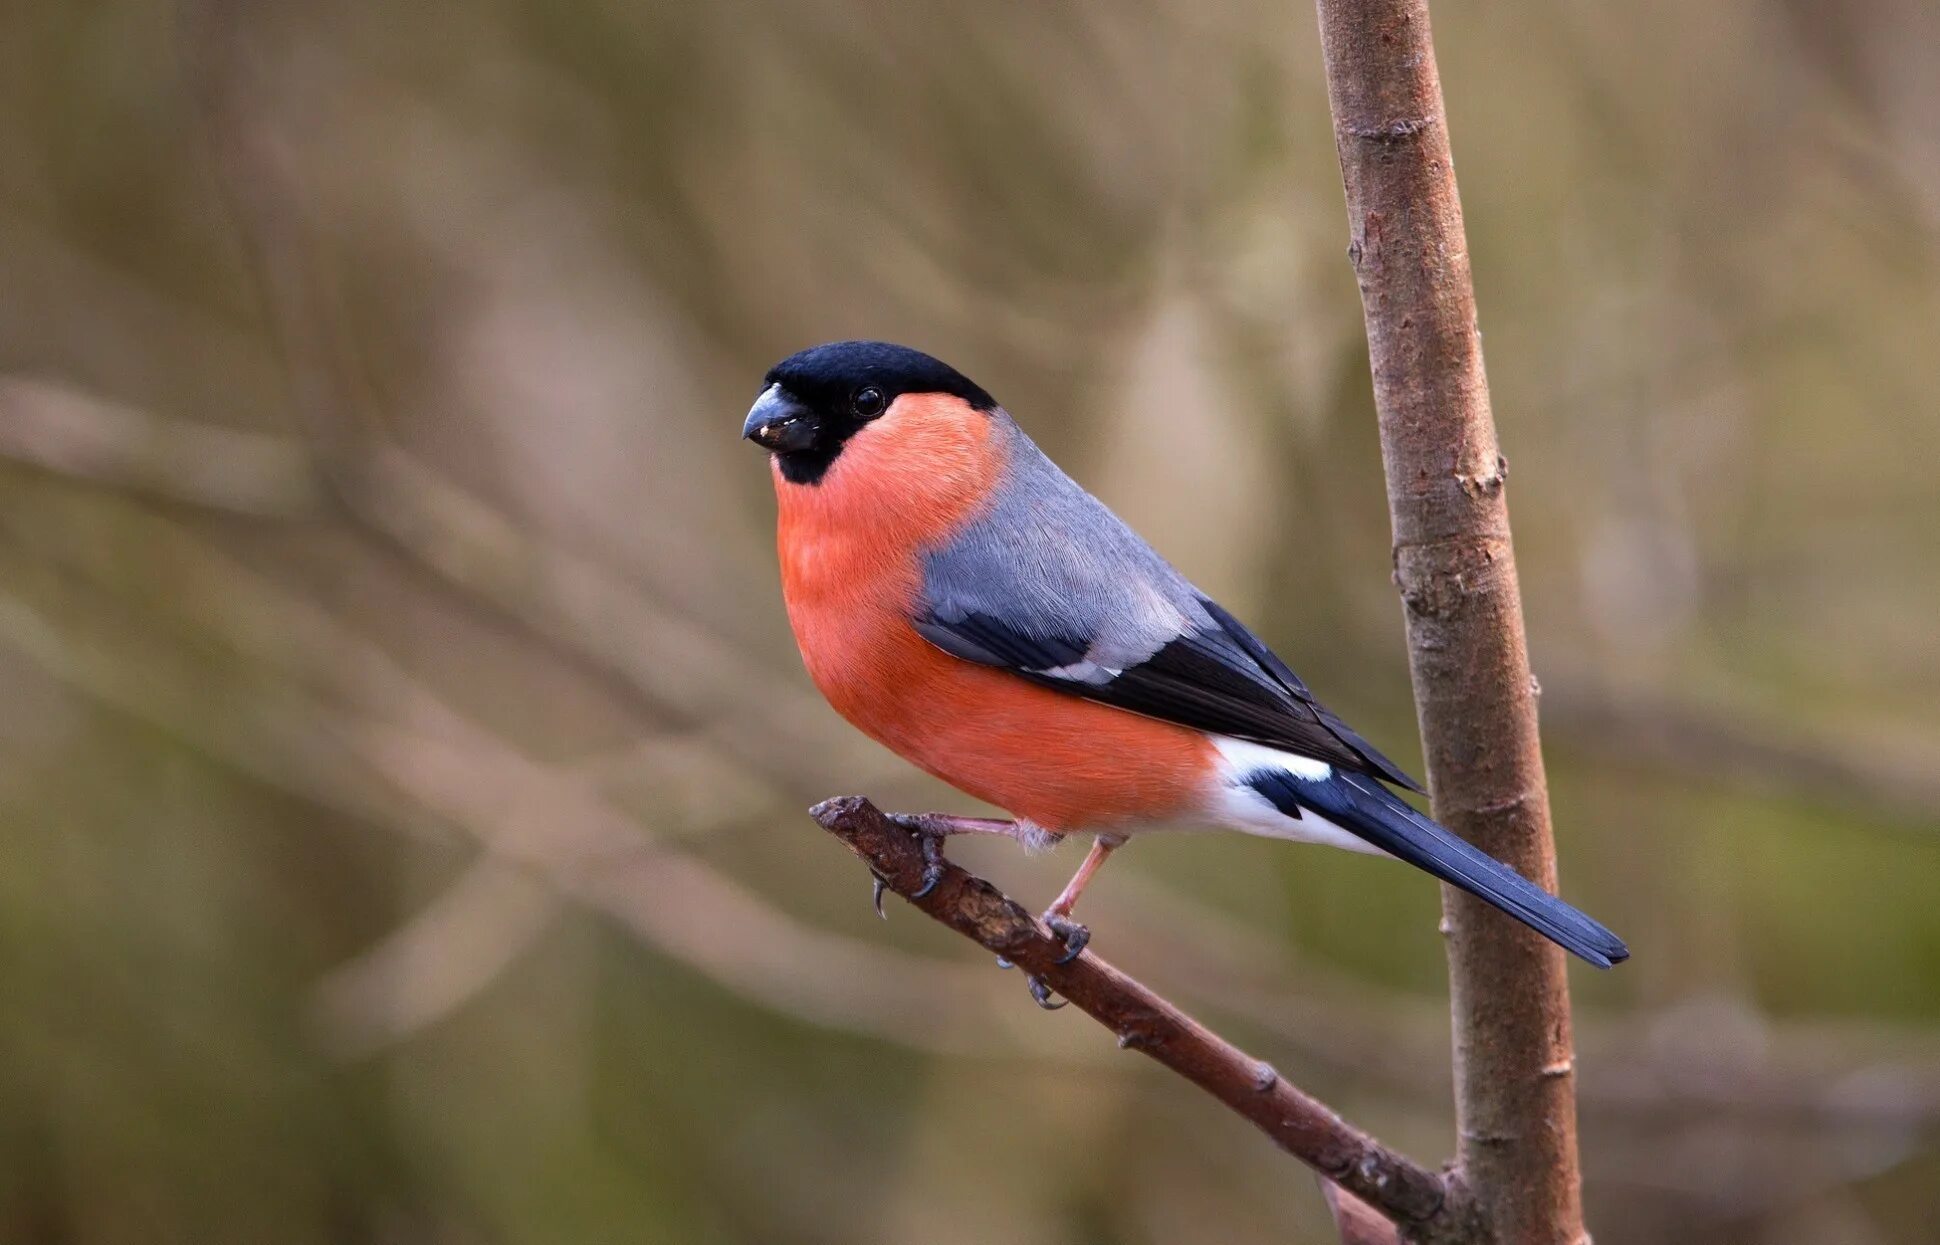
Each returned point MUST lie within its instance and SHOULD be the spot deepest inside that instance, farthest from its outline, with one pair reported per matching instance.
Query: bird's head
(814, 403)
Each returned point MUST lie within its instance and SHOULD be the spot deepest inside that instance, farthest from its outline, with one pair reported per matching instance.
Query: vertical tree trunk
(1514, 1069)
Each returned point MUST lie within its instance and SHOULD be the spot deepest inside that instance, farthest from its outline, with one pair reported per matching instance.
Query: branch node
(1504, 806)
(1478, 1137)
(1487, 483)
(1391, 132)
(1265, 1077)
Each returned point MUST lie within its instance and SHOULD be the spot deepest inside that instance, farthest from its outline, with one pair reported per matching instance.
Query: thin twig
(60, 428)
(1432, 1207)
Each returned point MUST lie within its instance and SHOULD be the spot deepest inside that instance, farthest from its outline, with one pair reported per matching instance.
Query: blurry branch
(682, 906)
(1705, 1061)
(578, 608)
(66, 430)
(1733, 1175)
(582, 612)
(571, 605)
(1433, 1208)
(433, 964)
(1711, 747)
(441, 770)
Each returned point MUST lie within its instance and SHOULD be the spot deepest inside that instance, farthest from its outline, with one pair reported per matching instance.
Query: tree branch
(1429, 1205)
(1514, 1064)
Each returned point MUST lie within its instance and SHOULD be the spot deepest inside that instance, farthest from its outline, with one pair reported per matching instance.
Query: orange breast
(850, 559)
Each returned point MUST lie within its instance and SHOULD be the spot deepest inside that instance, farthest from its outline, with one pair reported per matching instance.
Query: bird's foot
(1041, 994)
(1073, 935)
(930, 831)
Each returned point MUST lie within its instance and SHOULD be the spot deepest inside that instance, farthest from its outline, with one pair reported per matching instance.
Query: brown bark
(1428, 1205)
(1515, 1084)
(1355, 1221)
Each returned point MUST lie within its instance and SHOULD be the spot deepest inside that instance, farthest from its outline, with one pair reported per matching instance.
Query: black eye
(868, 402)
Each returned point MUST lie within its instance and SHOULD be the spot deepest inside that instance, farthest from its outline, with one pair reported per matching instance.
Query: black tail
(1360, 804)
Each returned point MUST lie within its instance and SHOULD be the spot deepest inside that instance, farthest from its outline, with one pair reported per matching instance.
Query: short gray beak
(779, 423)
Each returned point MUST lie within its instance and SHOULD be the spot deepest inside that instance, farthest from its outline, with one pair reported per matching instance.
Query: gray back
(1053, 563)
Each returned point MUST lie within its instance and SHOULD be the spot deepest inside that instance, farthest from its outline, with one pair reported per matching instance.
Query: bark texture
(1476, 700)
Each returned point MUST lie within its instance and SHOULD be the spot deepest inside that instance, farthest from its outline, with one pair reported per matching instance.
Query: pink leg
(950, 823)
(1101, 847)
(1058, 916)
(931, 829)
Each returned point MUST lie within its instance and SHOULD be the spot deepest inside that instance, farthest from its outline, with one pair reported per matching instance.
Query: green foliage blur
(403, 751)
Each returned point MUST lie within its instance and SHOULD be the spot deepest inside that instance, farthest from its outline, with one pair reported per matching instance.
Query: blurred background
(403, 751)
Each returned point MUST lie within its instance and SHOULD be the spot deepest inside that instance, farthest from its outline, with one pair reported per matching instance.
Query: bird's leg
(1058, 915)
(930, 830)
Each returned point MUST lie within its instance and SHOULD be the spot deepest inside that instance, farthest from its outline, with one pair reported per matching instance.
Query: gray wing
(1053, 587)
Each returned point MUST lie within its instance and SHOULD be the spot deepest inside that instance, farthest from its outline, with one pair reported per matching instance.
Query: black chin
(810, 465)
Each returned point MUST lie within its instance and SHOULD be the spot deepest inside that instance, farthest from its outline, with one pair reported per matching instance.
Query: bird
(961, 600)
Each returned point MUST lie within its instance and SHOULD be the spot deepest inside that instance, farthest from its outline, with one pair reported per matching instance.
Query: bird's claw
(1073, 935)
(1041, 994)
(931, 841)
(877, 885)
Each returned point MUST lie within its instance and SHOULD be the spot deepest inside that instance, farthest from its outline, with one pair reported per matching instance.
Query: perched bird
(962, 601)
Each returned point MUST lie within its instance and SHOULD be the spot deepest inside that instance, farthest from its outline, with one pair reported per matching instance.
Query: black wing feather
(1269, 661)
(1219, 679)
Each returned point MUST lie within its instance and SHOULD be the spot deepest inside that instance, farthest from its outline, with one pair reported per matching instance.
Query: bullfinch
(962, 601)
